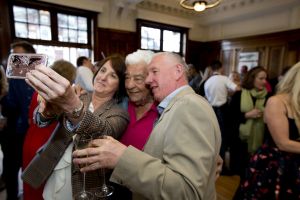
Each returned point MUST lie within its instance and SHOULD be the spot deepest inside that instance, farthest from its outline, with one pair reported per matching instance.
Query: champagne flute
(81, 142)
(104, 190)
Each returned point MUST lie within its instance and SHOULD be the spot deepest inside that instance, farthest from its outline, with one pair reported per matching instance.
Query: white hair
(139, 56)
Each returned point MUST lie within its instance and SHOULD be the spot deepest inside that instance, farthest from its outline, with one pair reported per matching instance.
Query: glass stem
(102, 171)
(83, 186)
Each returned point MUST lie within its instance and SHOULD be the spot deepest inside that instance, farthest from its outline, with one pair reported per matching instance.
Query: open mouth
(133, 92)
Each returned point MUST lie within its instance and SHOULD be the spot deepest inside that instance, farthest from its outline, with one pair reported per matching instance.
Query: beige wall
(122, 17)
(280, 21)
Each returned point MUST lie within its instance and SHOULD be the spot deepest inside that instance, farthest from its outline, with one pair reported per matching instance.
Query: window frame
(54, 9)
(183, 33)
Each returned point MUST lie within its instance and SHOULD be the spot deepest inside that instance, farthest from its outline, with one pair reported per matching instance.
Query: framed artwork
(250, 59)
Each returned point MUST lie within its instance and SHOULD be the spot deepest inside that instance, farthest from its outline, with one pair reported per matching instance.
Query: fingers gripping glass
(82, 142)
(19, 64)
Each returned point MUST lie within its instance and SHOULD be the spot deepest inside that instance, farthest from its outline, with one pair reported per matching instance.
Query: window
(58, 31)
(161, 37)
(150, 38)
(72, 29)
(32, 23)
(67, 53)
(171, 41)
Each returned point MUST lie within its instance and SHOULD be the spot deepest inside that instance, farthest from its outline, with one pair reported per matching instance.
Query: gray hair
(176, 57)
(138, 57)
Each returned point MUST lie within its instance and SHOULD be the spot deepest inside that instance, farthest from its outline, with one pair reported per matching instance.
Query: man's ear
(180, 71)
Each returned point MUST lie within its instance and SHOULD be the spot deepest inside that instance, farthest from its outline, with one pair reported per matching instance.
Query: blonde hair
(65, 69)
(289, 85)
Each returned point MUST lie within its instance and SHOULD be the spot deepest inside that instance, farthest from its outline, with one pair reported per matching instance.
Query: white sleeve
(230, 85)
(85, 78)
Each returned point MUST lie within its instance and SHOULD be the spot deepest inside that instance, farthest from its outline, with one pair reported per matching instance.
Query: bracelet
(76, 113)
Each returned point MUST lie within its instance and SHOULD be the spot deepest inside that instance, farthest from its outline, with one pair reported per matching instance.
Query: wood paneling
(201, 54)
(276, 57)
(114, 41)
(5, 33)
(276, 50)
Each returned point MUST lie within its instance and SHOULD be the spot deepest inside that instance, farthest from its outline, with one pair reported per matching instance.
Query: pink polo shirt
(138, 132)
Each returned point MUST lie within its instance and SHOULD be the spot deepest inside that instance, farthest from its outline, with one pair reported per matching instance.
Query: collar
(165, 102)
(216, 73)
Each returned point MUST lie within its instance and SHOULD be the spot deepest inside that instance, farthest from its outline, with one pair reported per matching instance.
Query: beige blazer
(179, 159)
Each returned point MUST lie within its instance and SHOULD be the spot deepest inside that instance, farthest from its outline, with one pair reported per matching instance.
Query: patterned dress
(273, 174)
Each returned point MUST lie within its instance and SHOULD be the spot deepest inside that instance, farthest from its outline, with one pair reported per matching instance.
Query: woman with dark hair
(92, 114)
(247, 127)
(118, 64)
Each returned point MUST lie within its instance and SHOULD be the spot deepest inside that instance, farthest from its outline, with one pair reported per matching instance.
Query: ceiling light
(198, 6)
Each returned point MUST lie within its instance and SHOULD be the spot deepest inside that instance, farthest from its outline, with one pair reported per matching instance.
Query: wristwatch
(76, 112)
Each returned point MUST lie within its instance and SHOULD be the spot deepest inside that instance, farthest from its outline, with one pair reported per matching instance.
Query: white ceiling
(227, 11)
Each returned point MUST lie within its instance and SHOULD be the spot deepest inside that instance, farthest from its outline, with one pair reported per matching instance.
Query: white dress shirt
(216, 89)
(59, 184)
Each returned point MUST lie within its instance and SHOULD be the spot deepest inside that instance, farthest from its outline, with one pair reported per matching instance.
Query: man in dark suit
(16, 108)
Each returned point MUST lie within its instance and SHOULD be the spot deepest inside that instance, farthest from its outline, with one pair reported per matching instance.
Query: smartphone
(20, 63)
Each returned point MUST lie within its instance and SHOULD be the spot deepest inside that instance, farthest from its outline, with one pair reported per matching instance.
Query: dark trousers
(12, 145)
(222, 113)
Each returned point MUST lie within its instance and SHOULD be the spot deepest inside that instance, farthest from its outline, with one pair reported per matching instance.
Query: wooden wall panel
(5, 33)
(276, 50)
(114, 41)
(201, 54)
(275, 61)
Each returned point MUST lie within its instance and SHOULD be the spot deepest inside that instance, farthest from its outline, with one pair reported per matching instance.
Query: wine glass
(104, 190)
(82, 142)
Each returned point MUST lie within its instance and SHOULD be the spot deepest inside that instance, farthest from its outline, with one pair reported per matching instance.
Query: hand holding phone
(19, 64)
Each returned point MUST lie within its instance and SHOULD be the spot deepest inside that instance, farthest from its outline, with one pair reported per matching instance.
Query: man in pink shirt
(141, 106)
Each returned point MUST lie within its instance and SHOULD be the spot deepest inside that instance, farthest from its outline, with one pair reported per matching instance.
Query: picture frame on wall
(250, 59)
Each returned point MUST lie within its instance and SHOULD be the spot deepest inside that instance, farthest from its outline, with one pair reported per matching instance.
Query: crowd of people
(155, 124)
